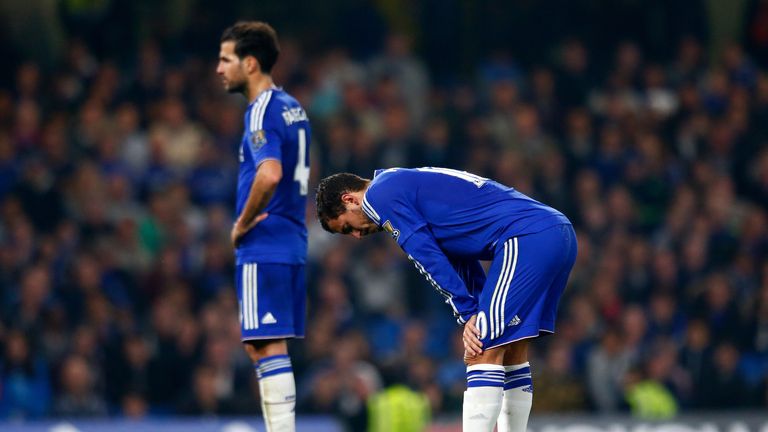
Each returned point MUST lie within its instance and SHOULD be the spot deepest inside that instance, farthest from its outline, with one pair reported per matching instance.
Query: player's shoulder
(391, 174)
(280, 97)
(387, 183)
(383, 178)
(282, 107)
(274, 108)
(257, 116)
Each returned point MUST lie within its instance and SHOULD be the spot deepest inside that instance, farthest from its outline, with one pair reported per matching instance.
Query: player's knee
(471, 361)
(491, 356)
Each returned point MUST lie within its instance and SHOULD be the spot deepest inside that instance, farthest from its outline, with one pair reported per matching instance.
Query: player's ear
(253, 66)
(348, 198)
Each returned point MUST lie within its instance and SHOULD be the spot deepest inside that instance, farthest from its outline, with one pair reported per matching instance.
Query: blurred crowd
(116, 200)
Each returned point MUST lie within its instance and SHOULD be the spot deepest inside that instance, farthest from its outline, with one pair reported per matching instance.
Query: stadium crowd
(116, 202)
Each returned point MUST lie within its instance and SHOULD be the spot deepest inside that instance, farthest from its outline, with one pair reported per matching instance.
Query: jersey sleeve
(431, 262)
(265, 133)
(471, 273)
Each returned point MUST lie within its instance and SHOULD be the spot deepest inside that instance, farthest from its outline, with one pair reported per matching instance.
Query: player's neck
(361, 193)
(257, 85)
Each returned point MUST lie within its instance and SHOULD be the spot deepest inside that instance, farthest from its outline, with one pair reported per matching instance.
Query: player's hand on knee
(468, 357)
(471, 338)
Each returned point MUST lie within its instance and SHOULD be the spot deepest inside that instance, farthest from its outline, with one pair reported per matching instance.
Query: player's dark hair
(254, 38)
(329, 192)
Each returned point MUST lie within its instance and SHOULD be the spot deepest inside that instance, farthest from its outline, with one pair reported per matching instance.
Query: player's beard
(236, 86)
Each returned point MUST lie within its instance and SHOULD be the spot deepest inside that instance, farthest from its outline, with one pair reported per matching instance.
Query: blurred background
(646, 122)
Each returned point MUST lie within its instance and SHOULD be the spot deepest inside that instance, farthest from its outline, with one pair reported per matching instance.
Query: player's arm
(263, 187)
(430, 260)
(265, 145)
(472, 273)
(386, 203)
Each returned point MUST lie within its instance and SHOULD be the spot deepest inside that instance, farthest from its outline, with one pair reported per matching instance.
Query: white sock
(278, 393)
(482, 400)
(518, 398)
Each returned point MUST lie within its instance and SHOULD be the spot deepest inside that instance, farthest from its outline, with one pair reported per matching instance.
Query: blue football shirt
(276, 127)
(441, 217)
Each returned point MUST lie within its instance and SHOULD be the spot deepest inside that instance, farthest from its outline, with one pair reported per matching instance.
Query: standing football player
(269, 236)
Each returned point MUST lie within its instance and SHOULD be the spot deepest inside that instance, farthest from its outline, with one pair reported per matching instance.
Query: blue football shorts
(523, 286)
(271, 299)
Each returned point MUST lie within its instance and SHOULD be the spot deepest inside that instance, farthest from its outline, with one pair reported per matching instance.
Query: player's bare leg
(518, 388)
(258, 349)
(276, 383)
(485, 386)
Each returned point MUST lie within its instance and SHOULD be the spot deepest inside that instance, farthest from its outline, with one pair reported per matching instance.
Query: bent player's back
(466, 213)
(277, 128)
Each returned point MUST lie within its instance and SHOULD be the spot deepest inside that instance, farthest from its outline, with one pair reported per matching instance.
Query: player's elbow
(270, 173)
(272, 179)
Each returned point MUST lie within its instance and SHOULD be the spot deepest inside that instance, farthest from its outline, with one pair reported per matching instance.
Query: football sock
(482, 400)
(278, 393)
(518, 398)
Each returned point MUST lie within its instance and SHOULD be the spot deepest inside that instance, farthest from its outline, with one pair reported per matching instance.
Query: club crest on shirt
(395, 233)
(258, 139)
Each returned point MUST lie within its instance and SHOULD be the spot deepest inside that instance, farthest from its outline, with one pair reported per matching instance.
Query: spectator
(25, 391)
(78, 397)
(606, 368)
(204, 399)
(725, 388)
(558, 387)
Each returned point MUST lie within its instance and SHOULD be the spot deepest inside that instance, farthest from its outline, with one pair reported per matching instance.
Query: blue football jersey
(276, 127)
(441, 216)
